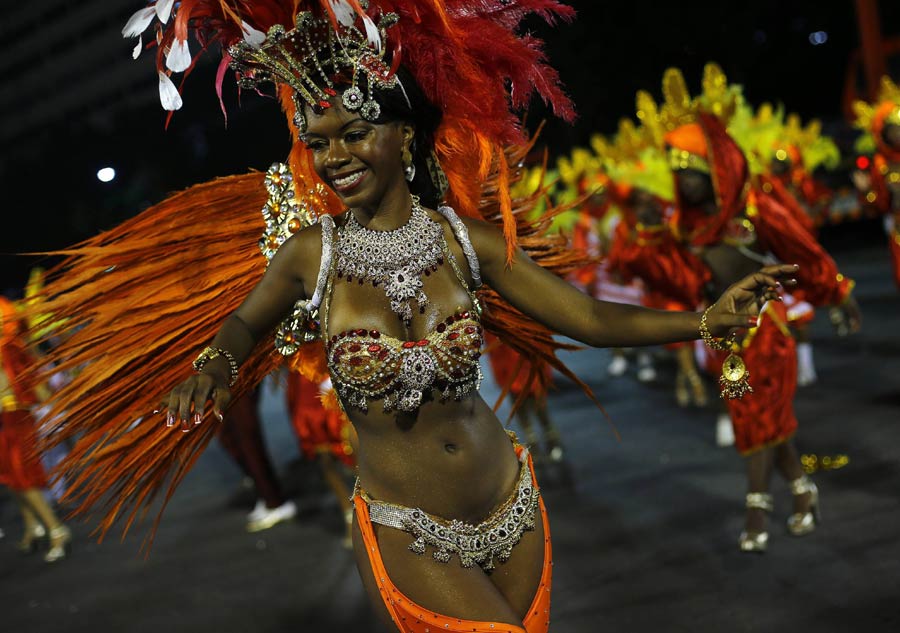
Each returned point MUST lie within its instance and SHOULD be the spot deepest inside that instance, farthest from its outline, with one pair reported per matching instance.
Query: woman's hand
(187, 401)
(739, 306)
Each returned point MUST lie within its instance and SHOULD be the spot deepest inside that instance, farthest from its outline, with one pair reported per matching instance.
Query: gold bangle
(718, 345)
(210, 353)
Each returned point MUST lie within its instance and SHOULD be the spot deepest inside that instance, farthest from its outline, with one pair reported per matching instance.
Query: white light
(106, 174)
(817, 38)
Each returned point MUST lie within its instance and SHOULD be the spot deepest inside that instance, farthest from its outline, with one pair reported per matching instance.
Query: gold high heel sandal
(802, 523)
(60, 544)
(29, 542)
(756, 541)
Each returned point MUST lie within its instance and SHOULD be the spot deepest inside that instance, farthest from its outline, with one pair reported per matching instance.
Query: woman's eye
(316, 146)
(356, 136)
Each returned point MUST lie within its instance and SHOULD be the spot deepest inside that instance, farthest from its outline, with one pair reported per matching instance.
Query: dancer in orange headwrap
(732, 224)
(882, 121)
(20, 465)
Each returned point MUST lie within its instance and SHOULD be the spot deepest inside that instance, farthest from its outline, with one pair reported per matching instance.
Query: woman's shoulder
(305, 248)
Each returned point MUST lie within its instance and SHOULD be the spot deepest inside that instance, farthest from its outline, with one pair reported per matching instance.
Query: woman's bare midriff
(451, 459)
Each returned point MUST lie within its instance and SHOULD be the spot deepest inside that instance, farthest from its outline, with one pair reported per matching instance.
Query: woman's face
(695, 187)
(361, 161)
(781, 167)
(646, 207)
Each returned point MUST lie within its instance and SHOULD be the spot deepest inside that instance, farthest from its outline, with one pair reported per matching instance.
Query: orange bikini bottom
(409, 617)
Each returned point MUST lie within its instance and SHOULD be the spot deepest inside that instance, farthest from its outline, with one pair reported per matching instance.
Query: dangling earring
(409, 168)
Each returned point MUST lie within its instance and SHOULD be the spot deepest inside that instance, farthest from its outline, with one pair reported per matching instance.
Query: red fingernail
(170, 419)
(197, 419)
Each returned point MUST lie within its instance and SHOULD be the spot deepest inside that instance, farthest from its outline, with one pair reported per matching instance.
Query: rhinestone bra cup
(366, 364)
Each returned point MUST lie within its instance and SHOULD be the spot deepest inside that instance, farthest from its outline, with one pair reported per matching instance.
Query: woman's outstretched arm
(556, 304)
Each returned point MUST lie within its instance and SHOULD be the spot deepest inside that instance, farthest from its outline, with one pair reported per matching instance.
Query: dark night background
(73, 101)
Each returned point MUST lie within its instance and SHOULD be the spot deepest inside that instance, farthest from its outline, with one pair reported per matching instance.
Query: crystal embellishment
(395, 260)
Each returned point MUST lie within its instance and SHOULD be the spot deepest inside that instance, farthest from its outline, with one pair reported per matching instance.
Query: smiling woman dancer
(392, 276)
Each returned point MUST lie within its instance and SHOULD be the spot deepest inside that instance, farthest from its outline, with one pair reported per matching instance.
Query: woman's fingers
(202, 393)
(780, 270)
(221, 398)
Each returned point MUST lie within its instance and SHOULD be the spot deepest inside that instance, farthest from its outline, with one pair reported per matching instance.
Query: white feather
(372, 33)
(138, 47)
(168, 93)
(179, 57)
(253, 37)
(343, 12)
(164, 10)
(138, 22)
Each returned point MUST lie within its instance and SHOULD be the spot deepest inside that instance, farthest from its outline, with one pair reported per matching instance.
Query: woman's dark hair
(425, 117)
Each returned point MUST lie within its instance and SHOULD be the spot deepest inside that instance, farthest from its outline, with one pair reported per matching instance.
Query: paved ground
(644, 529)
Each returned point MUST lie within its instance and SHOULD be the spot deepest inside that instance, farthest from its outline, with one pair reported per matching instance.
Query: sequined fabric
(366, 364)
(478, 544)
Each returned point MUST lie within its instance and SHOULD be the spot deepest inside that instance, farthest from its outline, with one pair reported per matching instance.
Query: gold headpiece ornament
(308, 57)
(679, 108)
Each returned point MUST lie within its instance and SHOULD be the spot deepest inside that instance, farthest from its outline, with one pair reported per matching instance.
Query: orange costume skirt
(410, 617)
(766, 416)
(318, 429)
(20, 467)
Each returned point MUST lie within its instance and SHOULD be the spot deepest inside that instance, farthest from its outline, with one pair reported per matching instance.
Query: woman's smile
(347, 181)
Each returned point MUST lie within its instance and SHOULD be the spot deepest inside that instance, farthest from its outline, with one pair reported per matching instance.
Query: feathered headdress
(467, 57)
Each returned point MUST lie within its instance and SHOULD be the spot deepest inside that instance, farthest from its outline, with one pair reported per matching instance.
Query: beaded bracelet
(719, 345)
(210, 353)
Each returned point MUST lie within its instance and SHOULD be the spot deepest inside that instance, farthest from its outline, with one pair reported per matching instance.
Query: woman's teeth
(351, 179)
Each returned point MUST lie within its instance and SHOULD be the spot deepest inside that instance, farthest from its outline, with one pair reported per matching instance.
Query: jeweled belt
(473, 544)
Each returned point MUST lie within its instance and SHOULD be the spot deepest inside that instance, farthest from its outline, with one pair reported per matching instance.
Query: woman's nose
(337, 154)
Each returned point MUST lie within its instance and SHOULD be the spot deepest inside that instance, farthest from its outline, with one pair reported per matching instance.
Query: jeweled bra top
(369, 365)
